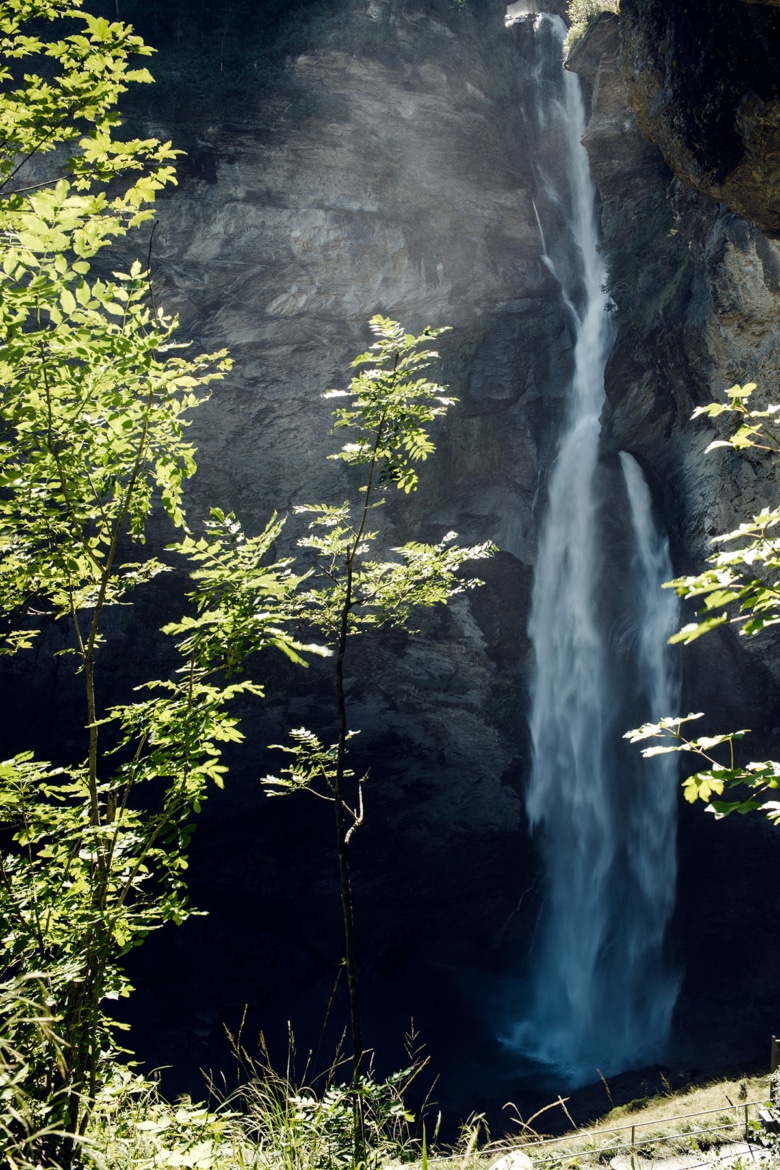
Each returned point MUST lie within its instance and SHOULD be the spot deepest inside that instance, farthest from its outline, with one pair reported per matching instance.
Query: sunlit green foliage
(389, 409)
(96, 398)
(96, 395)
(741, 588)
(273, 1120)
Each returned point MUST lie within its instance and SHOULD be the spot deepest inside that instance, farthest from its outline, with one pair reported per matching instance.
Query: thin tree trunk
(341, 838)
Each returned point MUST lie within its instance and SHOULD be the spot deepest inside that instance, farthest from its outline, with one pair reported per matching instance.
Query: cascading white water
(601, 994)
(655, 860)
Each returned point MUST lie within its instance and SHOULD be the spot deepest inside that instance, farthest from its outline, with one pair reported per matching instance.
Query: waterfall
(600, 992)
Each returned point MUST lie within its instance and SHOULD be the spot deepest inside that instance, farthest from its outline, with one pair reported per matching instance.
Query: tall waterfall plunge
(601, 992)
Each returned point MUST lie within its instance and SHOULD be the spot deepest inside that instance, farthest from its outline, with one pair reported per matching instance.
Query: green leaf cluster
(96, 399)
(60, 95)
(346, 590)
(740, 587)
(741, 582)
(714, 780)
(390, 406)
(242, 603)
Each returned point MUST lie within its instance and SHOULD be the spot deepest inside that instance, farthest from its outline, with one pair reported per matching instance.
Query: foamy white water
(601, 993)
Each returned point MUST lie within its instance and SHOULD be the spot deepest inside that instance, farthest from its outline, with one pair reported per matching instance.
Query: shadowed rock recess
(386, 167)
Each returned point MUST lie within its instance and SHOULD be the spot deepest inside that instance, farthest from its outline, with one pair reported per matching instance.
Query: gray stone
(515, 1160)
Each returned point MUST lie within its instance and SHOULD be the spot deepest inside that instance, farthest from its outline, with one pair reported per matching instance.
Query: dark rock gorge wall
(685, 96)
(397, 179)
(705, 87)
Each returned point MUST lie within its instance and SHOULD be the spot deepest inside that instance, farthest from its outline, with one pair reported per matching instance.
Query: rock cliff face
(705, 86)
(698, 301)
(696, 289)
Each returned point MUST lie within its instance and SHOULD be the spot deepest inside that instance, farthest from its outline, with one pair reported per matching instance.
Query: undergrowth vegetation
(276, 1121)
(271, 1120)
(669, 1124)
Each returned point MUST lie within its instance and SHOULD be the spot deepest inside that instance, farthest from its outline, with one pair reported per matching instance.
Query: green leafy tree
(582, 13)
(95, 398)
(740, 587)
(390, 407)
